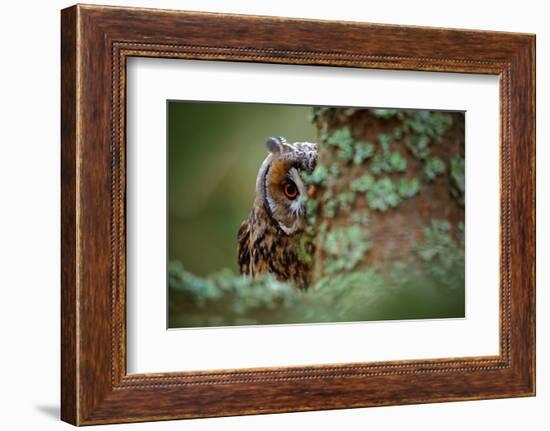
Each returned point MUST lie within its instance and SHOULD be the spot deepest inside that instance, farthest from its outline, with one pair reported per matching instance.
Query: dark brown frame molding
(95, 43)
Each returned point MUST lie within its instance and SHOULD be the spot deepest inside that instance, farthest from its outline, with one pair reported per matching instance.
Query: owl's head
(280, 188)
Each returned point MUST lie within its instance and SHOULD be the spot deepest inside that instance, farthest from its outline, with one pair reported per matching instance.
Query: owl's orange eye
(290, 190)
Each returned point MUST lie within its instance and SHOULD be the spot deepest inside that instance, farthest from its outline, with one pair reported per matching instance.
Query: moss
(360, 218)
(428, 123)
(331, 206)
(457, 179)
(362, 184)
(305, 248)
(317, 112)
(397, 133)
(418, 130)
(383, 195)
(346, 199)
(418, 145)
(334, 169)
(345, 247)
(307, 237)
(442, 254)
(433, 167)
(408, 188)
(312, 211)
(384, 113)
(317, 177)
(258, 291)
(399, 291)
(348, 112)
(363, 151)
(385, 140)
(343, 140)
(389, 161)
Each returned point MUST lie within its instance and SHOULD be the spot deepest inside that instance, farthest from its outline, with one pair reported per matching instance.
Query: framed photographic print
(263, 215)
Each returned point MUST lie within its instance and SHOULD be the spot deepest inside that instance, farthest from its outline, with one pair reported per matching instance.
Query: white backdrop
(151, 348)
(29, 215)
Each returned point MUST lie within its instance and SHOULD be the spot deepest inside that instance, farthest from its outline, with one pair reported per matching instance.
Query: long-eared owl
(269, 238)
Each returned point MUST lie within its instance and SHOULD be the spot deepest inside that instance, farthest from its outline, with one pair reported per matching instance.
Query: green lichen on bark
(405, 153)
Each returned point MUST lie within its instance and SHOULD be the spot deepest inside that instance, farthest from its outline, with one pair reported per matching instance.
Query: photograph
(289, 214)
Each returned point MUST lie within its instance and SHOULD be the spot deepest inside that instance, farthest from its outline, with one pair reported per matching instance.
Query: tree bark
(383, 177)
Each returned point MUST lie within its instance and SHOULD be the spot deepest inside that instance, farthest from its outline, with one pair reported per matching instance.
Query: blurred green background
(214, 153)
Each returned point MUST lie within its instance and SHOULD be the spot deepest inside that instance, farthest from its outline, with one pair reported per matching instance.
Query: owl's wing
(243, 248)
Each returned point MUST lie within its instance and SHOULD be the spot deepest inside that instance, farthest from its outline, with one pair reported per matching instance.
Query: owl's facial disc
(279, 185)
(286, 195)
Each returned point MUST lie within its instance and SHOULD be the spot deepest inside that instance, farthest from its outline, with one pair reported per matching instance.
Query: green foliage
(349, 294)
(457, 178)
(401, 291)
(344, 247)
(244, 290)
(433, 167)
(442, 254)
(373, 294)
(383, 195)
(225, 298)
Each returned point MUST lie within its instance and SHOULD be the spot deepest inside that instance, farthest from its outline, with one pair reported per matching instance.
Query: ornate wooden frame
(95, 43)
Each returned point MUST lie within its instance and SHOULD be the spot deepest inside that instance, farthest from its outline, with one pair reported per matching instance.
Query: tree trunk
(385, 180)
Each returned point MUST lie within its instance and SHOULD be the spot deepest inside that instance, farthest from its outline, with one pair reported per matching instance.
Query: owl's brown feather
(243, 247)
(264, 248)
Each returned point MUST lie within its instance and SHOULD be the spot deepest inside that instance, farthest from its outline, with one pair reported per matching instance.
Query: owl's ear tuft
(276, 145)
